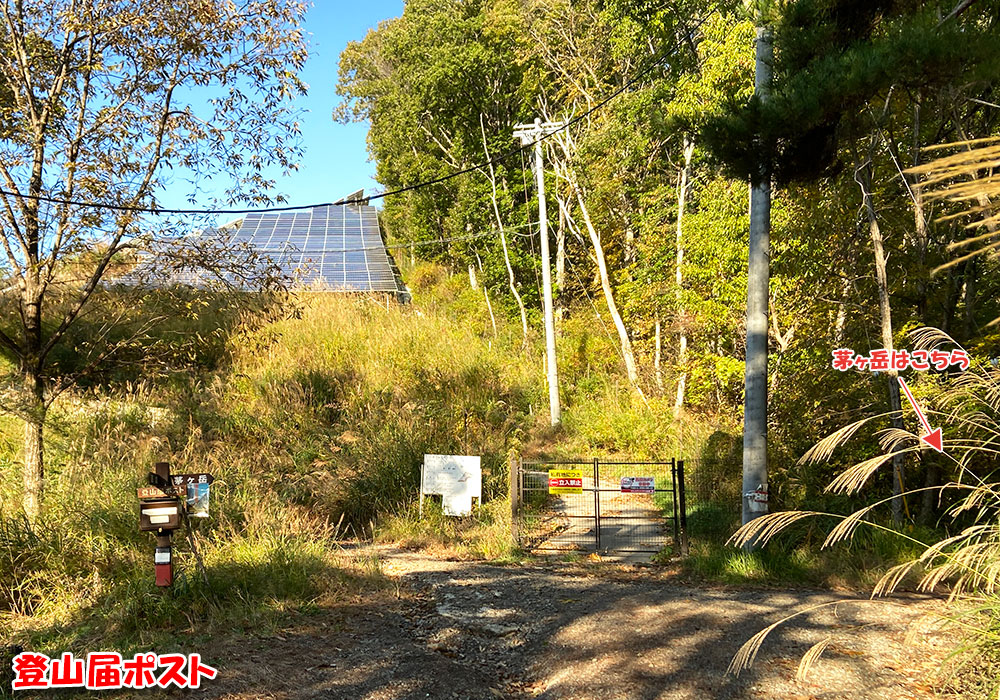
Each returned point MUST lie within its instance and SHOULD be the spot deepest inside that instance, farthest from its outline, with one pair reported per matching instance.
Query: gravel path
(470, 630)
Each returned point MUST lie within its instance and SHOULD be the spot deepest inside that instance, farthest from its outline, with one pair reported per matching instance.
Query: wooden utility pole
(758, 280)
(532, 133)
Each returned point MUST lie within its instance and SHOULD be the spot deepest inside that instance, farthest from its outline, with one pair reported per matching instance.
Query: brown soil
(458, 629)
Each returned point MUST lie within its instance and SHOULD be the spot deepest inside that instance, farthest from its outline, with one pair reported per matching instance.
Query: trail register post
(164, 504)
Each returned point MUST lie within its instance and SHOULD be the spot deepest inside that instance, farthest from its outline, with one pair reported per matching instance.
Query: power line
(125, 208)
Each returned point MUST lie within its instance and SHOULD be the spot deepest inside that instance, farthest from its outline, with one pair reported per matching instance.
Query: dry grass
(965, 563)
(969, 178)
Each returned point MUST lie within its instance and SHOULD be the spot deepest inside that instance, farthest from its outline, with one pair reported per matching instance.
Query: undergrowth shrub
(483, 535)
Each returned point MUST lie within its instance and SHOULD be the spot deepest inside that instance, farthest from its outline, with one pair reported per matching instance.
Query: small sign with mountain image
(638, 484)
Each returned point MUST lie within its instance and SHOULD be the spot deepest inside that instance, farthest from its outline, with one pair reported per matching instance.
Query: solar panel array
(336, 247)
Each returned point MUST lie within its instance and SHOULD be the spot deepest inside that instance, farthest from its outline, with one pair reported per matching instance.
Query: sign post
(160, 512)
(163, 505)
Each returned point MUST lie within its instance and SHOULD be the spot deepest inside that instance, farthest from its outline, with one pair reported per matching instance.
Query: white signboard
(458, 479)
(638, 484)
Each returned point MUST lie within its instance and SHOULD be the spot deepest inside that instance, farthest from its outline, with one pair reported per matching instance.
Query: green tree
(103, 102)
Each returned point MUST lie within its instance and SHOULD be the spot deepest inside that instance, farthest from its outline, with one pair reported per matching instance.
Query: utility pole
(758, 279)
(529, 133)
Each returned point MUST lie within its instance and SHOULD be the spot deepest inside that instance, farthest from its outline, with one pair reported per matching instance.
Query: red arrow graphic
(933, 437)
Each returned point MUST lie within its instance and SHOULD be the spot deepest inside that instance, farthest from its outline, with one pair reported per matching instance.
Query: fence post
(673, 500)
(514, 469)
(597, 503)
(683, 508)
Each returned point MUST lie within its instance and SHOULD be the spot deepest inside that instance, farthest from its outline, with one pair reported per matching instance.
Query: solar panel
(338, 247)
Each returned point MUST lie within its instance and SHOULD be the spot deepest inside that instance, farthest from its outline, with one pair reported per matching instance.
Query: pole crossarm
(528, 133)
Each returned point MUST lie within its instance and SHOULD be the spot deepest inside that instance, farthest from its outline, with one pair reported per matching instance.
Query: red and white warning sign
(565, 481)
(638, 484)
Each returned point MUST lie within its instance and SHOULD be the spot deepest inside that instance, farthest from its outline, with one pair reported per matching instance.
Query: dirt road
(470, 630)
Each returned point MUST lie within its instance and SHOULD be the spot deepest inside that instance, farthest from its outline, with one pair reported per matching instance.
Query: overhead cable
(126, 208)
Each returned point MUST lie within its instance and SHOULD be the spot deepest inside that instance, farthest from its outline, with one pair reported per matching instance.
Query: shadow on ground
(469, 630)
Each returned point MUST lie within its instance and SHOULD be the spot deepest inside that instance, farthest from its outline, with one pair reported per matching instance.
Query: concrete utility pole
(529, 133)
(758, 279)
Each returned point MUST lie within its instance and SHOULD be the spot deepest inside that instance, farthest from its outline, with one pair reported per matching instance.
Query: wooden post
(420, 507)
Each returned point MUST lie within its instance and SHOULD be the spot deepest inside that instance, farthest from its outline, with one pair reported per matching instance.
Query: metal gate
(615, 507)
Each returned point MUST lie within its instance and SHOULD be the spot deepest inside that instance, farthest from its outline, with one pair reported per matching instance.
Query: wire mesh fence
(713, 497)
(606, 506)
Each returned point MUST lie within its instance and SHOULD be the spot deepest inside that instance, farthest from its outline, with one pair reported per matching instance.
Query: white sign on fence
(458, 479)
(638, 484)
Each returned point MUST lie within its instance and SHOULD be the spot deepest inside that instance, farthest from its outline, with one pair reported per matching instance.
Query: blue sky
(335, 160)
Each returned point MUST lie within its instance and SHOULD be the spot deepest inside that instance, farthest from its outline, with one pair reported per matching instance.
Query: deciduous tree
(103, 99)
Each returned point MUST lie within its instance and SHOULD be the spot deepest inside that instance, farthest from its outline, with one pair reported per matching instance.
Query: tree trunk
(503, 239)
(919, 221)
(609, 297)
(969, 298)
(34, 459)
(33, 386)
(864, 179)
(928, 505)
(657, 357)
(758, 282)
(489, 307)
(560, 265)
(681, 316)
(841, 320)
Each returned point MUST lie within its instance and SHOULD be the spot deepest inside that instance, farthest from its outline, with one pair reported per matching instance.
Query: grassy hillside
(314, 428)
(314, 422)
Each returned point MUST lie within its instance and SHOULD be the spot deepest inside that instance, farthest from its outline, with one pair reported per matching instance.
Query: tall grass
(353, 395)
(83, 575)
(964, 561)
(314, 428)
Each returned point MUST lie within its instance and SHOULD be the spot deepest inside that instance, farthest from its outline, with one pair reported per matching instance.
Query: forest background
(651, 188)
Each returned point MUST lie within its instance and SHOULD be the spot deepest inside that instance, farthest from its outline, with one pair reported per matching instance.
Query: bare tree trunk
(609, 297)
(564, 141)
(34, 471)
(657, 357)
(841, 320)
(931, 476)
(489, 306)
(472, 277)
(969, 299)
(863, 177)
(920, 229)
(503, 238)
(34, 390)
(682, 191)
